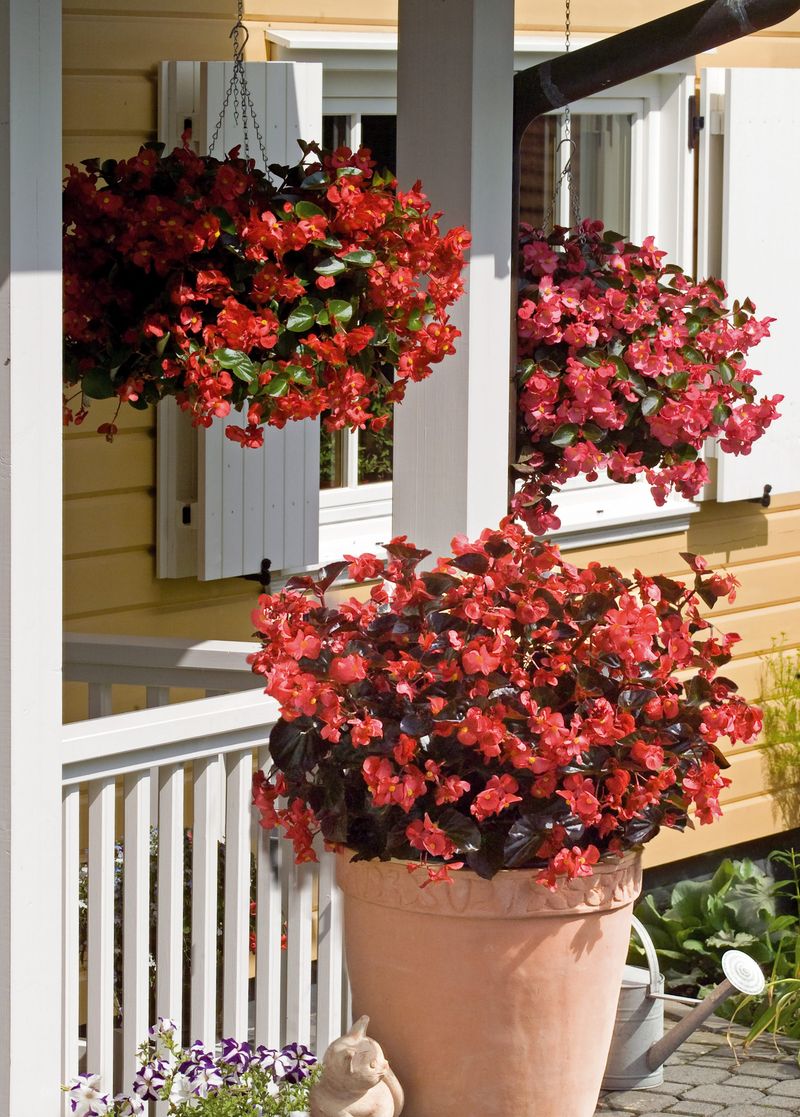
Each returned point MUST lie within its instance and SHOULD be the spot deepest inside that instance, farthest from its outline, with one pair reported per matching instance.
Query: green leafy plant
(737, 909)
(778, 1009)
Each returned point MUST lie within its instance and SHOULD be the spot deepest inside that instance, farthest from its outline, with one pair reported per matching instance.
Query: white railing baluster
(217, 736)
(236, 952)
(100, 700)
(136, 921)
(70, 996)
(269, 927)
(155, 697)
(329, 954)
(205, 830)
(299, 880)
(100, 944)
(169, 935)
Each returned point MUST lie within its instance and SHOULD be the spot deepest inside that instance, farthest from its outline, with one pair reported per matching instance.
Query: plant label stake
(639, 1047)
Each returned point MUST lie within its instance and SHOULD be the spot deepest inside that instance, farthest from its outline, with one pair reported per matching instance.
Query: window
(355, 471)
(601, 148)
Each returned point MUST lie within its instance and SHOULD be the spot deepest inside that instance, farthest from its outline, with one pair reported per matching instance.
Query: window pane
(602, 168)
(331, 458)
(375, 451)
(601, 164)
(379, 134)
(335, 132)
(537, 165)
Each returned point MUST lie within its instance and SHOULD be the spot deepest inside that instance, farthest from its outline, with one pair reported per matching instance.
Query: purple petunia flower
(237, 1055)
(294, 1063)
(149, 1081)
(265, 1057)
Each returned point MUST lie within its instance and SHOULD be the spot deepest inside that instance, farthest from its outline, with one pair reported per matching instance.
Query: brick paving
(706, 1078)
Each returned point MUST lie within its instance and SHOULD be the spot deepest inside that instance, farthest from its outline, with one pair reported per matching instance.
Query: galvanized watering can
(639, 1047)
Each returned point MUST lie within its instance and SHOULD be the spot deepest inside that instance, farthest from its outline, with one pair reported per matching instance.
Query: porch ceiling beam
(641, 50)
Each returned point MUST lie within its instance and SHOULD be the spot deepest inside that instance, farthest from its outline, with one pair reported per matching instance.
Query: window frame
(358, 514)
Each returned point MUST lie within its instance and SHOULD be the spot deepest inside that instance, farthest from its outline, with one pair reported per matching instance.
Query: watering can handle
(650, 954)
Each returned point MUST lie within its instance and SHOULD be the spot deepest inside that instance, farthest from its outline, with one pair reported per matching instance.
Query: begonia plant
(287, 296)
(505, 709)
(626, 365)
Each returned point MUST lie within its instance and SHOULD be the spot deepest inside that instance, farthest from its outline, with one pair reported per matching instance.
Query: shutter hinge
(764, 500)
(696, 123)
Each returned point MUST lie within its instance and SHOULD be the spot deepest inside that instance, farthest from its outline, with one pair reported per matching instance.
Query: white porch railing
(164, 867)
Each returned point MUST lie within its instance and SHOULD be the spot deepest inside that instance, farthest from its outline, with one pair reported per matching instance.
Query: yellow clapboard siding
(105, 411)
(216, 618)
(774, 580)
(344, 12)
(748, 674)
(725, 534)
(128, 579)
(748, 820)
(107, 522)
(77, 148)
(210, 9)
(105, 43)
(758, 628)
(91, 465)
(105, 102)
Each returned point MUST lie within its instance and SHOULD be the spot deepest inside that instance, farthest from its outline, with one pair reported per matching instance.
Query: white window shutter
(749, 174)
(249, 504)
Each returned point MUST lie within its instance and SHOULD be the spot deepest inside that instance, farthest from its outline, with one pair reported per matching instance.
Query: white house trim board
(30, 557)
(454, 132)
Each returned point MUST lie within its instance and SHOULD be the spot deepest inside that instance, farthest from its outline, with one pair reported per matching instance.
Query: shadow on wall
(747, 526)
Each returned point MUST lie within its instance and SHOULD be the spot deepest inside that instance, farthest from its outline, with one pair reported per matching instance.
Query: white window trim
(354, 517)
(359, 516)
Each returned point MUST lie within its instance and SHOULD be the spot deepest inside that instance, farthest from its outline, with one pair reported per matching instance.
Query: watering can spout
(639, 1046)
(742, 975)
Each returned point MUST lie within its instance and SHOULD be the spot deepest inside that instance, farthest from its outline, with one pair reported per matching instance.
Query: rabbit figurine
(356, 1079)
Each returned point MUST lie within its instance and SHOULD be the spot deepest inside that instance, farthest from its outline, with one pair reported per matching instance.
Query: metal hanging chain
(238, 92)
(567, 174)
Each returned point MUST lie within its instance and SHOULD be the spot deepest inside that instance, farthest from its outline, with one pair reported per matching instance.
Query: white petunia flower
(86, 1098)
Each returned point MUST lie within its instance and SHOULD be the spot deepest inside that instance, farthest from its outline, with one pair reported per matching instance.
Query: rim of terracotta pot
(510, 894)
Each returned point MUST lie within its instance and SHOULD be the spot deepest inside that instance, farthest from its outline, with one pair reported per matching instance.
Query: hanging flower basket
(286, 297)
(626, 365)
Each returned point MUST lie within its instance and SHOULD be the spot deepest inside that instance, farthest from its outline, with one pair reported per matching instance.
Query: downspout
(619, 58)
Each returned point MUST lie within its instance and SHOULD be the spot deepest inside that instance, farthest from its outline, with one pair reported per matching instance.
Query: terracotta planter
(489, 998)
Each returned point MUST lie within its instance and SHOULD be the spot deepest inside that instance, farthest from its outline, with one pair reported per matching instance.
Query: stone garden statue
(356, 1079)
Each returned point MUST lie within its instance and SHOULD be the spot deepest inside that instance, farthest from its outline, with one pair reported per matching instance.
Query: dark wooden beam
(643, 49)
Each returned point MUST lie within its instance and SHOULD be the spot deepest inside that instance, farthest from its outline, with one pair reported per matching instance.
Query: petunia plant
(505, 709)
(238, 1081)
(626, 365)
(287, 295)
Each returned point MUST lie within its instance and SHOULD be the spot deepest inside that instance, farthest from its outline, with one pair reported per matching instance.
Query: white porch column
(455, 101)
(30, 558)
